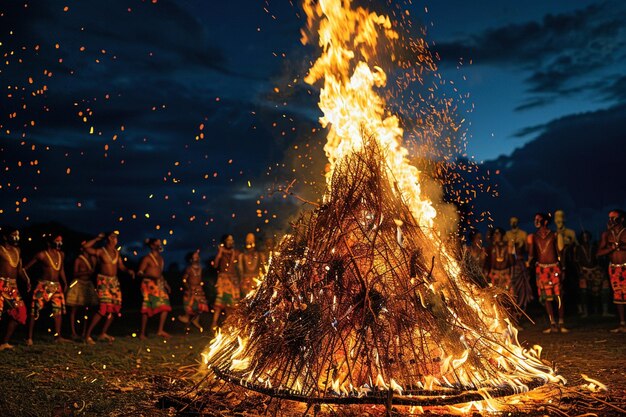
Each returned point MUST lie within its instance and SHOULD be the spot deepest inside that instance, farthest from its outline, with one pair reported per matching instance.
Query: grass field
(131, 377)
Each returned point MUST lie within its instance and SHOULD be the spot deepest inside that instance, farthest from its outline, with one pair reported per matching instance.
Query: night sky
(182, 119)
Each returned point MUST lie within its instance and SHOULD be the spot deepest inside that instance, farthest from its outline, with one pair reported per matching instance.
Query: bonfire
(366, 299)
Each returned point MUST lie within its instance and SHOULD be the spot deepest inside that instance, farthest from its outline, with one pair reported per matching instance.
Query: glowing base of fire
(417, 397)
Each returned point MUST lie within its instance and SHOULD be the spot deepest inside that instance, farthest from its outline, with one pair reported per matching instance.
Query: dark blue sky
(106, 103)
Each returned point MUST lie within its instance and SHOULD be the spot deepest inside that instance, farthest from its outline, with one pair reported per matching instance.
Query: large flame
(351, 105)
(355, 112)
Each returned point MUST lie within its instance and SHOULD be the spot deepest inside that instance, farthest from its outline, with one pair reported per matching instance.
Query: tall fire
(365, 302)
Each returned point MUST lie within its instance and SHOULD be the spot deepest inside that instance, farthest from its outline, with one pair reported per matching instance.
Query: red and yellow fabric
(194, 301)
(11, 301)
(109, 295)
(228, 293)
(155, 298)
(48, 292)
(501, 278)
(617, 272)
(548, 281)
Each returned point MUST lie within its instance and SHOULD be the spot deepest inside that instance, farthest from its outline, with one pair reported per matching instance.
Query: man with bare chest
(81, 293)
(51, 286)
(194, 298)
(544, 250)
(108, 285)
(251, 265)
(154, 288)
(10, 268)
(613, 244)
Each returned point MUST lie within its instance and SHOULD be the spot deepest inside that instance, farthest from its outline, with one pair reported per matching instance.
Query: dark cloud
(575, 163)
(565, 54)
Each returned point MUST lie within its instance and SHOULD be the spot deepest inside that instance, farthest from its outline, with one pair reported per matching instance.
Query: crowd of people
(509, 261)
(512, 257)
(100, 262)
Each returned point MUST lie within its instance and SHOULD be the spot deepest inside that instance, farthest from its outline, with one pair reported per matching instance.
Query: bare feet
(183, 319)
(105, 337)
(60, 339)
(620, 329)
(5, 346)
(90, 341)
(196, 322)
(164, 334)
(29, 342)
(142, 337)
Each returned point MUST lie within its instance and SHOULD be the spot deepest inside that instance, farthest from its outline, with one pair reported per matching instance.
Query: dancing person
(516, 240)
(81, 294)
(51, 286)
(613, 244)
(194, 299)
(544, 250)
(592, 279)
(154, 288)
(10, 269)
(108, 285)
(251, 264)
(227, 287)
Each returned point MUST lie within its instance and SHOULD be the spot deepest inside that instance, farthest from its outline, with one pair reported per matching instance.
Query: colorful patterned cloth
(11, 300)
(81, 294)
(155, 298)
(501, 278)
(109, 295)
(48, 292)
(520, 281)
(618, 282)
(548, 281)
(227, 291)
(194, 301)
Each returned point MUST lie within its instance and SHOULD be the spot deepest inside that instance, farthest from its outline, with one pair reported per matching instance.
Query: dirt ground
(131, 377)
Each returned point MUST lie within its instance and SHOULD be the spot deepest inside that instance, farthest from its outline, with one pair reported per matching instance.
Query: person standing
(108, 285)
(10, 268)
(613, 244)
(51, 287)
(154, 288)
(516, 240)
(228, 293)
(251, 265)
(544, 250)
(194, 299)
(81, 293)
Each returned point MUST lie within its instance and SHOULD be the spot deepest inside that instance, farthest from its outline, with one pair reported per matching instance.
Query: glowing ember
(363, 301)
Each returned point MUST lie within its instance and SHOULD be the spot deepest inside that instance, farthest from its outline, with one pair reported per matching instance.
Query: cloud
(564, 54)
(574, 163)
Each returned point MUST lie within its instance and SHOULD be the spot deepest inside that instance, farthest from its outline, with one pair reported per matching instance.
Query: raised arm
(88, 246)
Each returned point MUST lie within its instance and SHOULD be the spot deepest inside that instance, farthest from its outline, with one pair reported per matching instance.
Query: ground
(131, 377)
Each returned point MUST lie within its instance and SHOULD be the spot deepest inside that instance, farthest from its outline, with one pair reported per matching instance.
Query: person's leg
(162, 318)
(10, 329)
(94, 321)
(104, 335)
(144, 324)
(73, 321)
